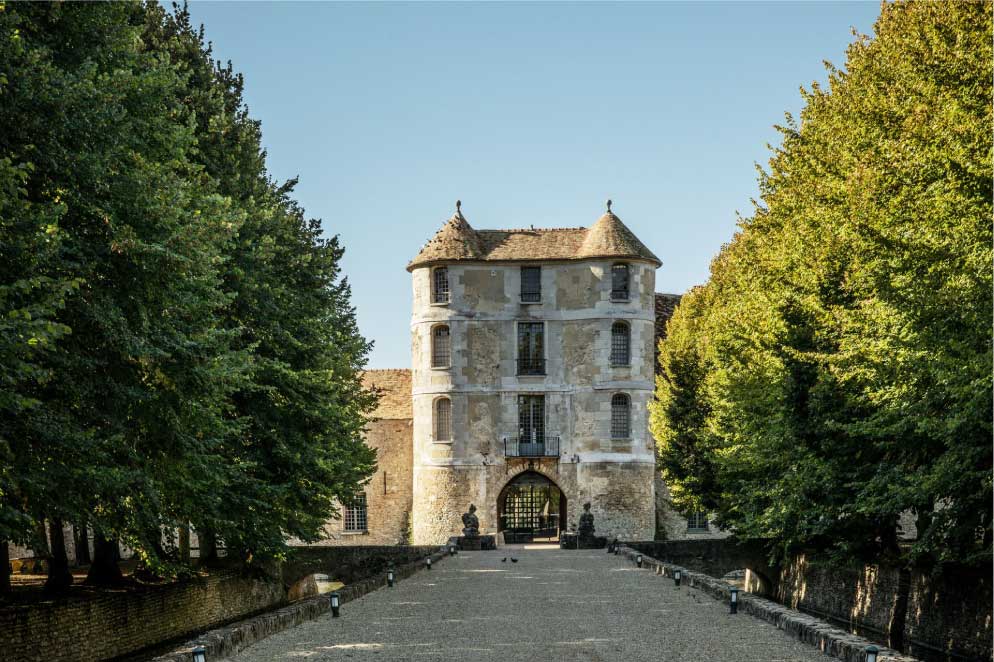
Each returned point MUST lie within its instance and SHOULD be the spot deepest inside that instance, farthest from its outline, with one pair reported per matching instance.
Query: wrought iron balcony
(531, 366)
(531, 447)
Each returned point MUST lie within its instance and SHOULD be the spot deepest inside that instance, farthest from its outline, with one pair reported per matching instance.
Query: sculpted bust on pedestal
(471, 523)
(586, 531)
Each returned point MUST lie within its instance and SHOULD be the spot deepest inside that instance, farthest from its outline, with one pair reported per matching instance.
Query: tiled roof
(394, 387)
(458, 241)
(665, 305)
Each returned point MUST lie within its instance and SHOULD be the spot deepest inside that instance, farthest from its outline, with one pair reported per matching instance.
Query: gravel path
(551, 605)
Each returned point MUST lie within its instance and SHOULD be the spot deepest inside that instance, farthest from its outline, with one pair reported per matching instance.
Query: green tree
(846, 330)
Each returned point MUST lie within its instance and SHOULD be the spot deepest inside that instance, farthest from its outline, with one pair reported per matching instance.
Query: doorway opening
(531, 508)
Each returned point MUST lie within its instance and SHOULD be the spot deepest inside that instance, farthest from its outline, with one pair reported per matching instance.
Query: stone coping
(226, 641)
(808, 629)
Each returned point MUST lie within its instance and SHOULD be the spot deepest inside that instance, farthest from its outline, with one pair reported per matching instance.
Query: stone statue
(586, 531)
(471, 523)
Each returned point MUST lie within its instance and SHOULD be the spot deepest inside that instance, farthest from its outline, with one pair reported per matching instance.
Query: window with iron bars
(440, 285)
(697, 521)
(440, 347)
(356, 515)
(531, 348)
(620, 343)
(531, 284)
(620, 417)
(619, 282)
(443, 419)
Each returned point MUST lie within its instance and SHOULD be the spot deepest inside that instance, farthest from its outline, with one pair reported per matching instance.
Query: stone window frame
(441, 291)
(522, 295)
(355, 519)
(697, 522)
(436, 419)
(628, 284)
(616, 432)
(615, 363)
(433, 347)
(544, 359)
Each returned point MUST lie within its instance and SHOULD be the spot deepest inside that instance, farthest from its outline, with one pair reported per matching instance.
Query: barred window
(440, 352)
(531, 284)
(620, 343)
(620, 416)
(619, 282)
(355, 514)
(697, 521)
(440, 285)
(443, 419)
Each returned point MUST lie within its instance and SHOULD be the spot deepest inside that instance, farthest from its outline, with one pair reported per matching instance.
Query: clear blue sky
(532, 114)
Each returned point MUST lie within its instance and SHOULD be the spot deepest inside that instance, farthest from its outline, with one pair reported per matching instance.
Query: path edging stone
(223, 642)
(807, 629)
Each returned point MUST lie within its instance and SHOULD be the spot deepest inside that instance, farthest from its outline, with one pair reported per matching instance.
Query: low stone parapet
(808, 629)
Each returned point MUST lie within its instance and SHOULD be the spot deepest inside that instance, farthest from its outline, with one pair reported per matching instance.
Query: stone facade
(481, 315)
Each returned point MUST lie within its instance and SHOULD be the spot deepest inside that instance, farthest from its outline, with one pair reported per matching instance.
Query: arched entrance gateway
(531, 508)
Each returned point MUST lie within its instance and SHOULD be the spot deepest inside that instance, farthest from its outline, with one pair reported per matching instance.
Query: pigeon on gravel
(504, 560)
(514, 560)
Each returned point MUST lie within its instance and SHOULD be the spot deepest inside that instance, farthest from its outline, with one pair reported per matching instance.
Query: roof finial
(609, 206)
(459, 207)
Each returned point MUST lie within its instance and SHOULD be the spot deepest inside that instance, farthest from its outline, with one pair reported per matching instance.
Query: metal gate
(530, 509)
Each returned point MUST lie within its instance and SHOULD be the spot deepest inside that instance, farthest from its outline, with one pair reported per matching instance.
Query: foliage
(835, 372)
(177, 339)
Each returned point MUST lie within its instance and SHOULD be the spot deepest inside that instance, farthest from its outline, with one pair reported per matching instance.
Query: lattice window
(440, 285)
(356, 514)
(443, 419)
(531, 419)
(697, 521)
(619, 282)
(621, 426)
(440, 347)
(531, 284)
(531, 348)
(621, 343)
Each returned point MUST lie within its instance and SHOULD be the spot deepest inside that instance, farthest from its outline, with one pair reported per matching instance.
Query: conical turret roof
(456, 240)
(609, 237)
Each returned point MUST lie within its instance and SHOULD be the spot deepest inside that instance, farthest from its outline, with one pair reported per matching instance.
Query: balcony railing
(531, 366)
(527, 447)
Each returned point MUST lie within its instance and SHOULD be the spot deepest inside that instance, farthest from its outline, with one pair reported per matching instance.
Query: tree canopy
(177, 341)
(835, 371)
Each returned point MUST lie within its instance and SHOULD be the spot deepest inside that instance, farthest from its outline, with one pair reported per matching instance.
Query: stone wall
(116, 623)
(929, 616)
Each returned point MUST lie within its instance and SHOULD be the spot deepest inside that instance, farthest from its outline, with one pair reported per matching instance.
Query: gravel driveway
(551, 605)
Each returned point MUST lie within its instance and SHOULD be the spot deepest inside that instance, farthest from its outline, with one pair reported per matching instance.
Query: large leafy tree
(845, 333)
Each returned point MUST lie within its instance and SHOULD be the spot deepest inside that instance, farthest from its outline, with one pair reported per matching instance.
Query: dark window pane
(531, 284)
(356, 514)
(531, 348)
(619, 282)
(440, 285)
(440, 352)
(620, 417)
(620, 344)
(443, 419)
(531, 419)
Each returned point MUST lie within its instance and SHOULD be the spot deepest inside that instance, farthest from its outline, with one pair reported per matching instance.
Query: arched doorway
(531, 508)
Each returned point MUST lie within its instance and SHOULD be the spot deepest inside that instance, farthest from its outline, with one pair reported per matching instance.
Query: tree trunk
(5, 570)
(184, 544)
(82, 544)
(208, 546)
(104, 570)
(59, 577)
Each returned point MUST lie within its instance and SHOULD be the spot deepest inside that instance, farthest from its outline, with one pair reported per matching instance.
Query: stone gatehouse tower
(532, 365)
(531, 371)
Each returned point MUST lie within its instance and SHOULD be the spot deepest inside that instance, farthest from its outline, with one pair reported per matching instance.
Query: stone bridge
(348, 564)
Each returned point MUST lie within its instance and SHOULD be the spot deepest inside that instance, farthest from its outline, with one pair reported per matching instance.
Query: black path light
(734, 603)
(638, 560)
(659, 569)
(336, 603)
(676, 578)
(452, 550)
(200, 654)
(390, 576)
(871, 653)
(428, 562)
